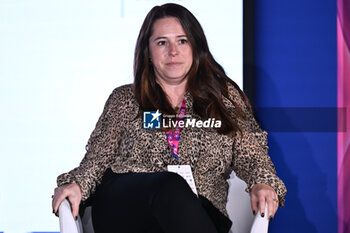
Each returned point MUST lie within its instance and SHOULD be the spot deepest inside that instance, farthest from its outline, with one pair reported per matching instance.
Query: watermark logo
(151, 120)
(194, 123)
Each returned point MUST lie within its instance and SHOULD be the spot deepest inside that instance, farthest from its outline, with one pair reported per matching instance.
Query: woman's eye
(161, 43)
(183, 41)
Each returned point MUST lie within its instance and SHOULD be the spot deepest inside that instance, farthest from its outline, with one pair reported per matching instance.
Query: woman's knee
(170, 183)
(170, 178)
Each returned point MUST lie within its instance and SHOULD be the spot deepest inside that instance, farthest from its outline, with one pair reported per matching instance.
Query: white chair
(238, 208)
(240, 211)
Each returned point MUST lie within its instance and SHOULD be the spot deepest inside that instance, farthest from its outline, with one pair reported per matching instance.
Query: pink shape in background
(343, 37)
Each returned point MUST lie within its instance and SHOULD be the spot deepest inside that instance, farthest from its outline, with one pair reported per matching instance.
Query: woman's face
(170, 51)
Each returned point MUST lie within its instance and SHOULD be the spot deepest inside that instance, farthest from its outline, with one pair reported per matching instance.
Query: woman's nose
(173, 50)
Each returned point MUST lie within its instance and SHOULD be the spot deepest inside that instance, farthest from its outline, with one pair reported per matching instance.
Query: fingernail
(254, 212)
(76, 218)
(262, 215)
(270, 218)
(53, 211)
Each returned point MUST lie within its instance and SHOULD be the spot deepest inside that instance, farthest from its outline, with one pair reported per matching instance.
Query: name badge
(186, 173)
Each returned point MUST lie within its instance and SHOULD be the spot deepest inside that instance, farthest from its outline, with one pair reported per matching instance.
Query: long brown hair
(206, 79)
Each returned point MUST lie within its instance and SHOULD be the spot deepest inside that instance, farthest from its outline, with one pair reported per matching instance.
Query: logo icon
(151, 120)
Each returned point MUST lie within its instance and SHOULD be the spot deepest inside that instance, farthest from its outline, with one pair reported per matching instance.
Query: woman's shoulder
(123, 95)
(126, 91)
(122, 98)
(236, 95)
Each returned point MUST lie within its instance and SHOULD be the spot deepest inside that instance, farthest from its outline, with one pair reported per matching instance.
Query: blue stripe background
(296, 67)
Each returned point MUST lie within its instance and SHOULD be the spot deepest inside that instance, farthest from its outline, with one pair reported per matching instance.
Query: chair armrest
(67, 222)
(260, 225)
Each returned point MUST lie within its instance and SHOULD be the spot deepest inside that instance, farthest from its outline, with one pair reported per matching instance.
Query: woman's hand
(260, 194)
(70, 191)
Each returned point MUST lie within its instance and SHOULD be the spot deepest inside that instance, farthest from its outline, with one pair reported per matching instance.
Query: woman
(124, 170)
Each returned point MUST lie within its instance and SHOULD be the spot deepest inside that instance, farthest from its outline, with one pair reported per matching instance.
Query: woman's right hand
(70, 191)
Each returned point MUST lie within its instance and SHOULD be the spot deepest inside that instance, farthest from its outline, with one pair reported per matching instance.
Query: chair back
(238, 205)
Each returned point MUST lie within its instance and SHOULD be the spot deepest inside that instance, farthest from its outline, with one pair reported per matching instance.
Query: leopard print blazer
(120, 142)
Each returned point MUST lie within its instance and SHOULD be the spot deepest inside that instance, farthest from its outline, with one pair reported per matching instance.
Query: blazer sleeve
(100, 149)
(251, 161)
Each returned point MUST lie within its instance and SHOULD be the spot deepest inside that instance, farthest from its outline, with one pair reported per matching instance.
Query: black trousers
(160, 202)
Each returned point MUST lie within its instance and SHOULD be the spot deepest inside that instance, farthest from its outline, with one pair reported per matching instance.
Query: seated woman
(124, 171)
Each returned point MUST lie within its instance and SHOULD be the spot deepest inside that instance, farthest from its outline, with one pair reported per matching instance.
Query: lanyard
(174, 137)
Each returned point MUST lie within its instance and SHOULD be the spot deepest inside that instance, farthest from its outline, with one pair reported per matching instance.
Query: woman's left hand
(260, 194)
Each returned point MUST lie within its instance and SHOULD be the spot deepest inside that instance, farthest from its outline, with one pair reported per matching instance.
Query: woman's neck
(174, 91)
